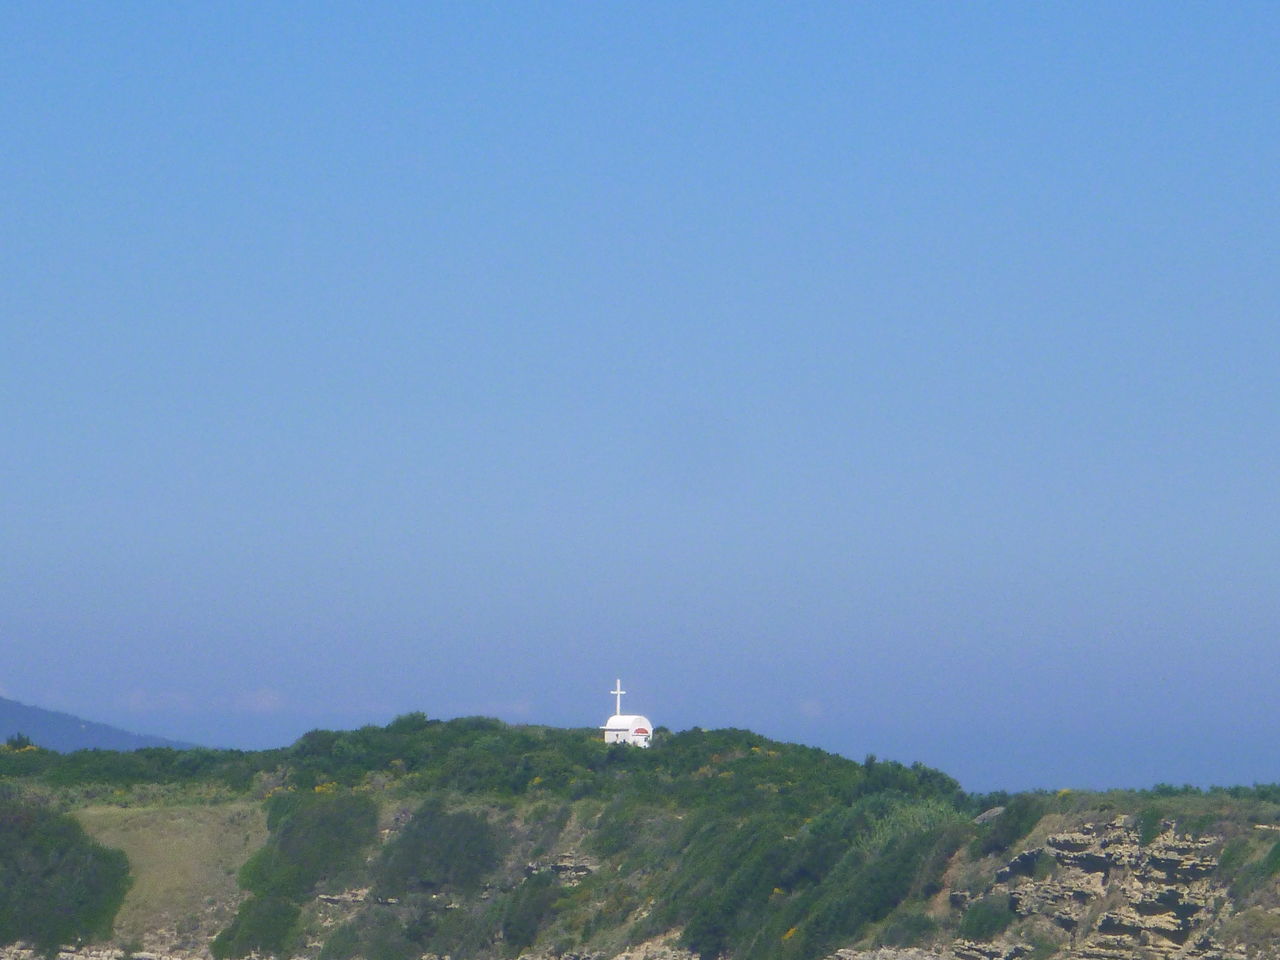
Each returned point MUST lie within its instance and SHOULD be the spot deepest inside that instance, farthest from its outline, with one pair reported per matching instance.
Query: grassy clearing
(184, 862)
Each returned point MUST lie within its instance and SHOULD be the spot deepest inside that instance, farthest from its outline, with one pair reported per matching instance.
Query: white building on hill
(626, 727)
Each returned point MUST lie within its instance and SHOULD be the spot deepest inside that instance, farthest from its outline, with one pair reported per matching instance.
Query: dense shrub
(526, 910)
(1269, 866)
(1021, 814)
(1255, 930)
(371, 936)
(907, 928)
(438, 849)
(849, 867)
(865, 888)
(1234, 853)
(150, 765)
(986, 918)
(313, 837)
(262, 925)
(57, 885)
(1149, 821)
(1253, 875)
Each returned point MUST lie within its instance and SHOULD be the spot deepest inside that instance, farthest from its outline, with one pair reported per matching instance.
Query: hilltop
(471, 838)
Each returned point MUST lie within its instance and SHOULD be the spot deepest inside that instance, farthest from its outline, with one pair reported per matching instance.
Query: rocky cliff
(1098, 892)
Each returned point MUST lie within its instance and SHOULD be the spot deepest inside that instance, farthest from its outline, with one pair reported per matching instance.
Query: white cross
(617, 693)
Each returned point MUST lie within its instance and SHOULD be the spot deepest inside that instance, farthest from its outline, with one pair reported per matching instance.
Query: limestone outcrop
(570, 868)
(1114, 897)
(1098, 892)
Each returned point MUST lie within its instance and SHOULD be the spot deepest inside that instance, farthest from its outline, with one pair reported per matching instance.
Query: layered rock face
(1110, 896)
(1117, 898)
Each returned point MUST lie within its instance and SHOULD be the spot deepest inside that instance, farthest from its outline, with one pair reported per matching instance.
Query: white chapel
(626, 727)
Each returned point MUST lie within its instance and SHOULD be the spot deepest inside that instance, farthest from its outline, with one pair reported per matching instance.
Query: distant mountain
(64, 732)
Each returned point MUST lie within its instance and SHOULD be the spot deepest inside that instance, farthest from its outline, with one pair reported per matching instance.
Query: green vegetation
(106, 771)
(57, 886)
(1256, 930)
(373, 936)
(1021, 813)
(314, 837)
(476, 839)
(1149, 820)
(527, 909)
(906, 927)
(262, 925)
(438, 849)
(1253, 875)
(986, 918)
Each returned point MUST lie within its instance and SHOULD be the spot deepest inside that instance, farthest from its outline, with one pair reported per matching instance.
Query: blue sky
(897, 378)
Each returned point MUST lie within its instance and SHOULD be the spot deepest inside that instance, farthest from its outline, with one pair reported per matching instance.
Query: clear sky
(897, 378)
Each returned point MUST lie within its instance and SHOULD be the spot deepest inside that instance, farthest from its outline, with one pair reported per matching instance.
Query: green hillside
(471, 838)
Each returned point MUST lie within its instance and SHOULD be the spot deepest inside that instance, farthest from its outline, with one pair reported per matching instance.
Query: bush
(986, 918)
(1254, 875)
(866, 888)
(1020, 816)
(1149, 822)
(906, 928)
(851, 866)
(1257, 930)
(526, 910)
(313, 837)
(1233, 855)
(375, 936)
(262, 925)
(438, 849)
(57, 886)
